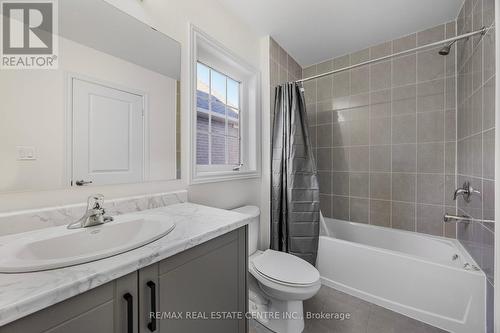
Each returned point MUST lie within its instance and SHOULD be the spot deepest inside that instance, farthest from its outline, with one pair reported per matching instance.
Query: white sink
(58, 247)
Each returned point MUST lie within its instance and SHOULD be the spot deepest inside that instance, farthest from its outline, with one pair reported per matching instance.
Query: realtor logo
(29, 34)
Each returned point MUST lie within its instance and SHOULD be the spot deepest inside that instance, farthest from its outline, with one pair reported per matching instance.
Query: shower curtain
(295, 191)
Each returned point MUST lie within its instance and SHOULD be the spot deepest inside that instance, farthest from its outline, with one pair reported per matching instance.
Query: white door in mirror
(108, 135)
(59, 247)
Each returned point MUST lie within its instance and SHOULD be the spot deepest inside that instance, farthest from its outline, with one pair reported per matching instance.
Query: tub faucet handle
(466, 191)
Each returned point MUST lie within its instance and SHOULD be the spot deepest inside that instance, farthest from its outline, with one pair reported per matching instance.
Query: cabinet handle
(152, 287)
(130, 312)
(82, 182)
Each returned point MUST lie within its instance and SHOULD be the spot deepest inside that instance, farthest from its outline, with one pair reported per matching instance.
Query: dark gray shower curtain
(295, 190)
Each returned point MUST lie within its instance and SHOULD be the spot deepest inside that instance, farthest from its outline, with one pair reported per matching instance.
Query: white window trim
(207, 50)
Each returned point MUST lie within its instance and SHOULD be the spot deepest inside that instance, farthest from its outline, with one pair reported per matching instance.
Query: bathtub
(420, 276)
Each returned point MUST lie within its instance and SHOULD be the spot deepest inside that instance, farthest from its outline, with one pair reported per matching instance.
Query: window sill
(213, 177)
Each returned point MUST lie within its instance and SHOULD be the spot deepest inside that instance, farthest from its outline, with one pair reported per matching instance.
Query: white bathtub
(406, 272)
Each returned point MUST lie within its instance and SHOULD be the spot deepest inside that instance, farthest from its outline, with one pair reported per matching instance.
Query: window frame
(212, 54)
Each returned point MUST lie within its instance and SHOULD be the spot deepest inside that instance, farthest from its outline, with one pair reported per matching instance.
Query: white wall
(173, 17)
(265, 206)
(34, 114)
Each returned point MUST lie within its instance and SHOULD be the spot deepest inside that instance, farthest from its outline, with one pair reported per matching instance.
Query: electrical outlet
(25, 153)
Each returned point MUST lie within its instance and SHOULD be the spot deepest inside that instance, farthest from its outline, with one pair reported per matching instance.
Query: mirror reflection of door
(108, 135)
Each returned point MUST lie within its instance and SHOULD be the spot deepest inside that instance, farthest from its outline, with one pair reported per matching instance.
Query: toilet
(278, 282)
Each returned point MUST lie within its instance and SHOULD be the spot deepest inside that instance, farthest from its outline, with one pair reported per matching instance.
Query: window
(217, 119)
(225, 118)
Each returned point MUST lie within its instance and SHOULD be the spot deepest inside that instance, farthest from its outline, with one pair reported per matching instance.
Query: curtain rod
(481, 31)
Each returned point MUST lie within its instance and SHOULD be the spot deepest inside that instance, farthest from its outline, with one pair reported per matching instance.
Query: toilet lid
(286, 268)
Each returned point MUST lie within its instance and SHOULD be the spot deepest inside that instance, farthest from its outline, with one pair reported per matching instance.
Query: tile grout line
(387, 200)
(481, 45)
(406, 85)
(456, 121)
(416, 136)
(390, 128)
(349, 163)
(369, 138)
(446, 93)
(399, 144)
(477, 133)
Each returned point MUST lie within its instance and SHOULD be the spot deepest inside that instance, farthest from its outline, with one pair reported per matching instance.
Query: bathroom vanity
(190, 278)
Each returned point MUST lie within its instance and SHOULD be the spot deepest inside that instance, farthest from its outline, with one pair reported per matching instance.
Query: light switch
(26, 153)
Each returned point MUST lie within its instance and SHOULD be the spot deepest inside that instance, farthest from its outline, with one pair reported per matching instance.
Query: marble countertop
(26, 293)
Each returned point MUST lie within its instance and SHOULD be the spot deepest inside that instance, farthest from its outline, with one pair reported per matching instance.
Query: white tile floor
(365, 317)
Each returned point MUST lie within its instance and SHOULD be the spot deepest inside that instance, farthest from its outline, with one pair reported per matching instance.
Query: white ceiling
(316, 30)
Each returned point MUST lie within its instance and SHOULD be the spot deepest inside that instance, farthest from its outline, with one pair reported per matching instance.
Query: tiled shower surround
(394, 139)
(283, 68)
(476, 134)
(385, 135)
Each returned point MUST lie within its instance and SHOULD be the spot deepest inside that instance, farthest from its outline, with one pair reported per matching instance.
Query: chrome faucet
(466, 191)
(94, 215)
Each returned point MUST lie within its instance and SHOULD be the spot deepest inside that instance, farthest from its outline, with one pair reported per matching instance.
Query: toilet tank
(253, 226)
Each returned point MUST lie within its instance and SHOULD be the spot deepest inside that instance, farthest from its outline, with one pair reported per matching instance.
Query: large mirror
(108, 114)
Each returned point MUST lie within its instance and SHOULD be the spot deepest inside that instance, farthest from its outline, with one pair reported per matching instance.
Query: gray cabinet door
(148, 299)
(88, 312)
(98, 320)
(99, 310)
(203, 284)
(126, 302)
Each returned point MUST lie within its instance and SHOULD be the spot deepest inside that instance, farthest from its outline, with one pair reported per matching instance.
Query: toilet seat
(264, 277)
(285, 269)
